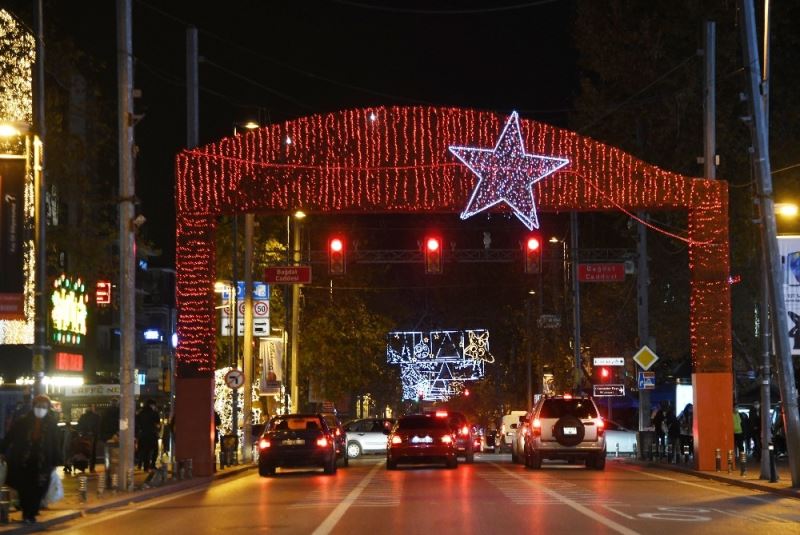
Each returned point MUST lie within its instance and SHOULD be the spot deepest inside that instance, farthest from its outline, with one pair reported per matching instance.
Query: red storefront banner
(12, 307)
(601, 272)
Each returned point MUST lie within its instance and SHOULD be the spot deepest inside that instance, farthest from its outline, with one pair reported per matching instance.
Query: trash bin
(645, 441)
(227, 450)
(111, 450)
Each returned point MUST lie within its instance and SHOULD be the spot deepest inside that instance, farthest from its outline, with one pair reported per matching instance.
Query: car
(366, 435)
(296, 440)
(489, 440)
(508, 430)
(619, 439)
(339, 437)
(518, 443)
(462, 431)
(421, 438)
(566, 427)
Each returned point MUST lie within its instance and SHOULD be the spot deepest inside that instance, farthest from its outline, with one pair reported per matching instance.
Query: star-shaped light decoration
(506, 174)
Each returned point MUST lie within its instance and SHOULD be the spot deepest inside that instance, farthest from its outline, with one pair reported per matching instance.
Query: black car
(297, 440)
(462, 430)
(339, 436)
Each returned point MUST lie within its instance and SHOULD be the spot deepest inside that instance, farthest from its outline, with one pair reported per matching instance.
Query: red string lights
(396, 159)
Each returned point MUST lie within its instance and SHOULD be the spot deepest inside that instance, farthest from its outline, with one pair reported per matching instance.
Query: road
(488, 497)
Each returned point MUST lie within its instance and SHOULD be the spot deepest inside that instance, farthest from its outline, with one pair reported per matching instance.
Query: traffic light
(433, 255)
(532, 249)
(336, 256)
(603, 375)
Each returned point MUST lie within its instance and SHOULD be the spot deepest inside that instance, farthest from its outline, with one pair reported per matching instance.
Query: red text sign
(601, 272)
(288, 275)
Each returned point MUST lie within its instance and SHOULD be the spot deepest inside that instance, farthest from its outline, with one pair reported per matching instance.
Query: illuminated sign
(68, 362)
(152, 335)
(102, 293)
(68, 316)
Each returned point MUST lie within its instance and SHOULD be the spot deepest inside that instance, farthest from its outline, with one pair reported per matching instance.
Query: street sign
(645, 358)
(549, 321)
(608, 361)
(608, 391)
(288, 275)
(601, 272)
(647, 380)
(234, 379)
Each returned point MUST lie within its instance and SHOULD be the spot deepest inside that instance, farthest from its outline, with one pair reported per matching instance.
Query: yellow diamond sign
(645, 358)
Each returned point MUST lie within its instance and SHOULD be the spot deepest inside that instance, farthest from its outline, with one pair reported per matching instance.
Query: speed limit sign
(234, 379)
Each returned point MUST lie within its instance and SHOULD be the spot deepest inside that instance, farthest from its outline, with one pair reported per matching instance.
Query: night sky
(273, 61)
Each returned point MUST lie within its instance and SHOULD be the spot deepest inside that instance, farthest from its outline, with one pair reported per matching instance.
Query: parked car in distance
(617, 435)
(296, 440)
(566, 427)
(339, 437)
(366, 435)
(489, 439)
(508, 430)
(421, 438)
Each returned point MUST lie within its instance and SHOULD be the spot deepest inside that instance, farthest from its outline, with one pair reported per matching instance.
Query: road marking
(620, 513)
(330, 522)
(572, 503)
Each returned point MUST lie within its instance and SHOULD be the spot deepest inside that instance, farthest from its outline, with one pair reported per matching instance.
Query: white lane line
(689, 483)
(619, 528)
(330, 522)
(620, 513)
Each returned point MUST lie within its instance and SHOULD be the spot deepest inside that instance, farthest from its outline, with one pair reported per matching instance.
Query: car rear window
(298, 423)
(556, 408)
(422, 422)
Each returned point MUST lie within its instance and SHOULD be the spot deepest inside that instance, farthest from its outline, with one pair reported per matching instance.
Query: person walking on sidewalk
(738, 436)
(673, 434)
(148, 424)
(32, 451)
(89, 427)
(755, 429)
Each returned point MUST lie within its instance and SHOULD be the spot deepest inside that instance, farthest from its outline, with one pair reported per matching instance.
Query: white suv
(565, 427)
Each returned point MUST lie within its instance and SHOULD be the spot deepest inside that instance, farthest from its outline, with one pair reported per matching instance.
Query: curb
(124, 499)
(792, 493)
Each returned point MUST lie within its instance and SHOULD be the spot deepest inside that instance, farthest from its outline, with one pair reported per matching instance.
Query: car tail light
(263, 444)
(567, 396)
(601, 426)
(322, 442)
(338, 432)
(536, 427)
(465, 430)
(441, 414)
(397, 439)
(447, 439)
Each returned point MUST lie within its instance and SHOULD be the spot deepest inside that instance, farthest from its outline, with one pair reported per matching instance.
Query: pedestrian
(89, 427)
(674, 433)
(738, 435)
(66, 447)
(658, 426)
(755, 429)
(746, 435)
(32, 451)
(686, 420)
(148, 428)
(109, 421)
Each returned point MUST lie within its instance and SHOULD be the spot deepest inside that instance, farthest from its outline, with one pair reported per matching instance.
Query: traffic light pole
(247, 439)
(576, 298)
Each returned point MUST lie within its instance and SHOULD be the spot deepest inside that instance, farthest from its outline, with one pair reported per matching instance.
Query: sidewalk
(72, 505)
(751, 479)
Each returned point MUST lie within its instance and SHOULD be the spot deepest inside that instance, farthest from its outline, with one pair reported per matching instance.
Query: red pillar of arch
(395, 159)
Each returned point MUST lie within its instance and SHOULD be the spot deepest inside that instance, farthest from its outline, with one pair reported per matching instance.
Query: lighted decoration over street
(436, 365)
(507, 174)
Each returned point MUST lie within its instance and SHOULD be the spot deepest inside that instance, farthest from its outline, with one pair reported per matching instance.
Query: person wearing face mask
(32, 451)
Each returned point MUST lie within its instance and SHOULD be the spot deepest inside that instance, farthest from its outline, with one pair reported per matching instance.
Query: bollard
(718, 459)
(635, 453)
(188, 469)
(742, 463)
(129, 481)
(686, 455)
(730, 461)
(101, 485)
(175, 469)
(83, 486)
(616, 453)
(653, 449)
(5, 504)
(114, 482)
(773, 474)
(669, 453)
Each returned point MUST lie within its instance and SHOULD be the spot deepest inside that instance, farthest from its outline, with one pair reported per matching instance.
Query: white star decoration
(506, 174)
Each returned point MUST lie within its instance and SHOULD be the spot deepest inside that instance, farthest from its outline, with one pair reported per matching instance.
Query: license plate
(296, 442)
(421, 440)
(570, 430)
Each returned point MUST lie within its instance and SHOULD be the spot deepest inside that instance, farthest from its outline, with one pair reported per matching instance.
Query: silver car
(367, 435)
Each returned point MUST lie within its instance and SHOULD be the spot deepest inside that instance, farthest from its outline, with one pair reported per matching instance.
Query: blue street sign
(647, 380)
(260, 291)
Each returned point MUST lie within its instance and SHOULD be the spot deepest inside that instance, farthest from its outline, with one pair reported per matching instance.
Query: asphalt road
(488, 497)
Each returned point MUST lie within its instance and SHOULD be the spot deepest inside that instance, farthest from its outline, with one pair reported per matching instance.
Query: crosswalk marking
(521, 493)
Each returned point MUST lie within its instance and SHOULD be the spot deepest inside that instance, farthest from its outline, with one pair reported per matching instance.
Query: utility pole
(295, 318)
(127, 260)
(235, 330)
(247, 441)
(643, 315)
(40, 319)
(576, 298)
(769, 238)
(710, 102)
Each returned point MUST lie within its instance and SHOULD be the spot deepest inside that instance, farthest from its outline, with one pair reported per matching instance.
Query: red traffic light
(533, 244)
(604, 373)
(336, 256)
(532, 252)
(433, 255)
